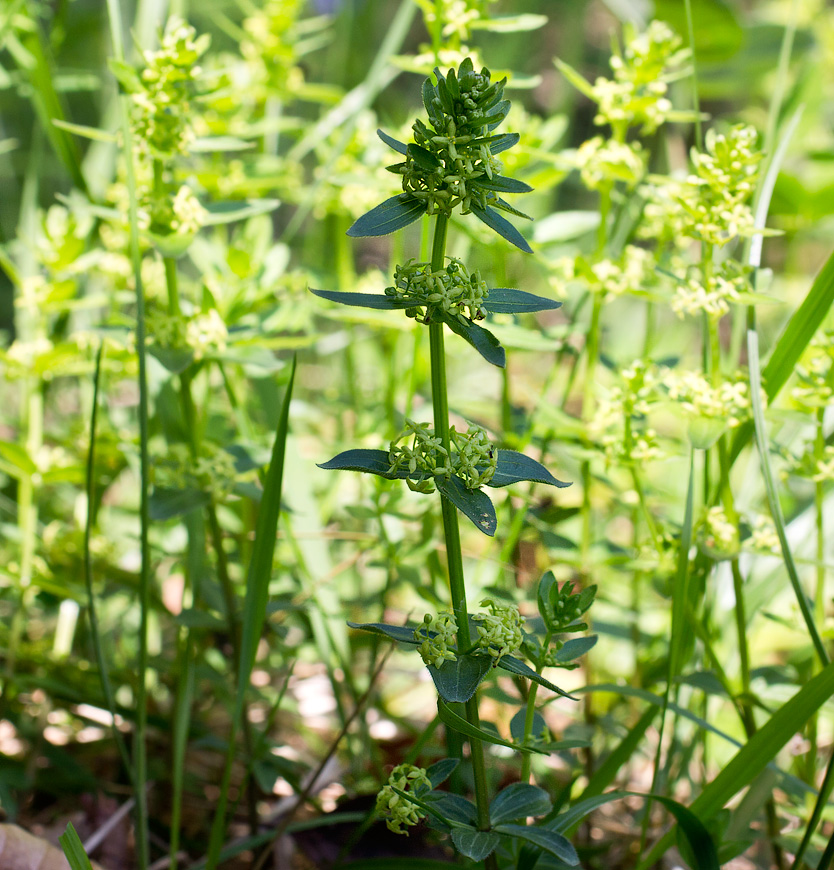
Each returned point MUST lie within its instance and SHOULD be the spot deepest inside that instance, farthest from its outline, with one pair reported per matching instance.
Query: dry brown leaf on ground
(20, 850)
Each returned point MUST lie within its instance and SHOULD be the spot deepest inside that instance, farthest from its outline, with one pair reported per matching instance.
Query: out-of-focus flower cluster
(728, 401)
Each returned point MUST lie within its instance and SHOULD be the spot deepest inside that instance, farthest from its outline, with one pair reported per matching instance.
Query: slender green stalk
(140, 736)
(451, 530)
(696, 100)
(530, 713)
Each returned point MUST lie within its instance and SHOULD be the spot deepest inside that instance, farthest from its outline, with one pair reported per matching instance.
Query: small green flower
(398, 810)
(449, 291)
(438, 635)
(499, 631)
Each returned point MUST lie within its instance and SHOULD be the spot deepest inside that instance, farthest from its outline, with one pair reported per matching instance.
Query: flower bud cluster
(729, 401)
(499, 631)
(270, 46)
(712, 297)
(602, 162)
(637, 94)
(473, 459)
(182, 215)
(809, 465)
(399, 811)
(715, 195)
(720, 536)
(814, 388)
(162, 106)
(439, 637)
(441, 293)
(448, 159)
(630, 273)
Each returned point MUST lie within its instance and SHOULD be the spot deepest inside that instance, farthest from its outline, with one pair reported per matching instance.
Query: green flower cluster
(714, 197)
(438, 636)
(162, 106)
(449, 291)
(637, 94)
(499, 631)
(473, 459)
(398, 810)
(814, 387)
(452, 163)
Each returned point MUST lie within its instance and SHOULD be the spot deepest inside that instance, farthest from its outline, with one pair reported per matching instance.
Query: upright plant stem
(451, 530)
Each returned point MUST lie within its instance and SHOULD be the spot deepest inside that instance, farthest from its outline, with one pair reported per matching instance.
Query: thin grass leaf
(254, 608)
(759, 750)
(796, 336)
(86, 132)
(773, 495)
(74, 850)
(578, 81)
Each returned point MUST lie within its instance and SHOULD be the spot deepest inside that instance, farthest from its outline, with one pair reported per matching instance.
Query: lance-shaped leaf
(481, 339)
(452, 807)
(501, 184)
(453, 720)
(424, 158)
(498, 143)
(505, 300)
(363, 459)
(399, 147)
(501, 226)
(549, 841)
(513, 467)
(476, 845)
(401, 633)
(574, 648)
(441, 770)
(515, 666)
(389, 216)
(364, 300)
(473, 503)
(457, 680)
(518, 801)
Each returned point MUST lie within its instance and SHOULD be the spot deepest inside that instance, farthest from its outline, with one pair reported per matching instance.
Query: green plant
(452, 162)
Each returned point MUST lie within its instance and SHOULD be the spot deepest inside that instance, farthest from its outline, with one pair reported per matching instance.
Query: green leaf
(517, 725)
(399, 147)
(229, 212)
(759, 750)
(453, 807)
(401, 633)
(457, 723)
(515, 666)
(518, 801)
(796, 336)
(476, 845)
(424, 158)
(175, 359)
(388, 217)
(510, 23)
(17, 463)
(550, 841)
(505, 300)
(441, 770)
(501, 226)
(501, 142)
(718, 34)
(578, 81)
(363, 300)
(704, 856)
(457, 681)
(481, 339)
(575, 647)
(126, 75)
(363, 459)
(74, 850)
(209, 144)
(87, 132)
(166, 504)
(472, 503)
(543, 592)
(513, 467)
(501, 184)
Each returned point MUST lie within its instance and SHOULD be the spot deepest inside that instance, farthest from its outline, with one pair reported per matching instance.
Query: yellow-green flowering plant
(451, 166)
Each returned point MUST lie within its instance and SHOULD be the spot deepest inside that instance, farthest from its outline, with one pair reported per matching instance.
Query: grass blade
(254, 608)
(773, 495)
(74, 850)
